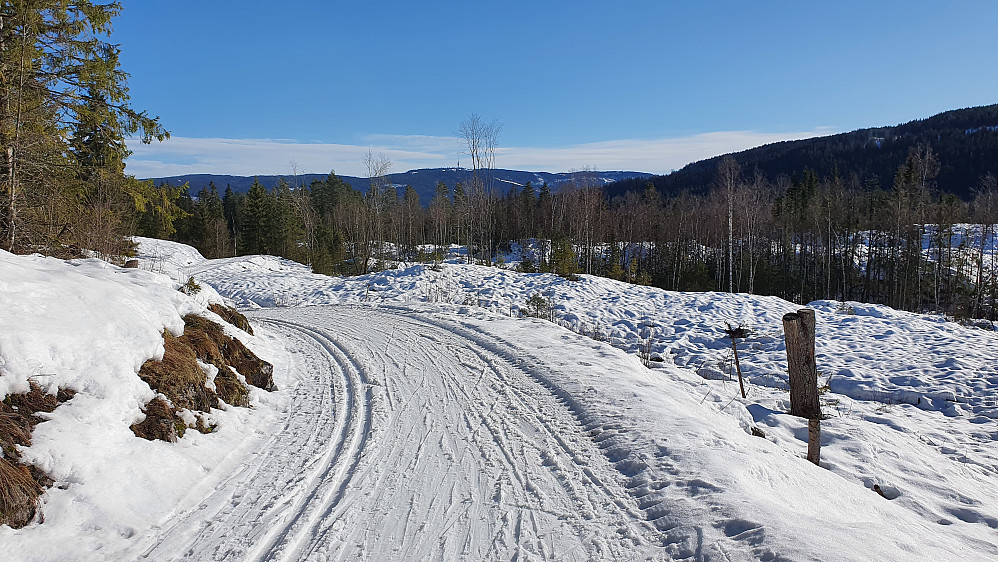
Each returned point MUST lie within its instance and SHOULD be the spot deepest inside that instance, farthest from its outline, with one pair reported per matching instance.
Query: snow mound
(89, 326)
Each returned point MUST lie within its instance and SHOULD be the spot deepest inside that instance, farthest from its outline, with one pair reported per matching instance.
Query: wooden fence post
(799, 336)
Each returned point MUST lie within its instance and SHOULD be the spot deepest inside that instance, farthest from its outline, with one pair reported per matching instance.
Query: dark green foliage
(191, 287)
(539, 306)
(64, 115)
(564, 262)
(257, 221)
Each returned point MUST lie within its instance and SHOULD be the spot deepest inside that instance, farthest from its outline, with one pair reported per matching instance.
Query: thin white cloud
(185, 155)
(243, 157)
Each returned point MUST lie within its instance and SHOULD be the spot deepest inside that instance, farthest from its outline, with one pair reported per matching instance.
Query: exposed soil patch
(21, 485)
(184, 384)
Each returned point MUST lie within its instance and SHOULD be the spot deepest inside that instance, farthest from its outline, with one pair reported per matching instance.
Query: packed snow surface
(421, 418)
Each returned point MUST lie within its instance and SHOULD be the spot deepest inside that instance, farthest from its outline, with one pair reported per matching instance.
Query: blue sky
(255, 87)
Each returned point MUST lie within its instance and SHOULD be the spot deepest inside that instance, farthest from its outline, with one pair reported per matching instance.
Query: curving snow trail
(408, 438)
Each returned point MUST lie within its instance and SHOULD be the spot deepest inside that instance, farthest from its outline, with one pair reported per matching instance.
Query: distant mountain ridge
(965, 141)
(423, 180)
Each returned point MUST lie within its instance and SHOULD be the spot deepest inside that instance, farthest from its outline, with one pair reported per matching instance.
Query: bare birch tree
(728, 173)
(378, 168)
(481, 139)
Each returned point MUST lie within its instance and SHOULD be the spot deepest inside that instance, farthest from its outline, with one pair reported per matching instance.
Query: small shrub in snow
(191, 287)
(539, 306)
(644, 348)
(845, 308)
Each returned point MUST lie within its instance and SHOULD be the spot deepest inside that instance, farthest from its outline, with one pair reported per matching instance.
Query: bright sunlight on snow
(420, 416)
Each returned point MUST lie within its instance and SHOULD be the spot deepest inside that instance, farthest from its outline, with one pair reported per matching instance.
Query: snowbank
(89, 326)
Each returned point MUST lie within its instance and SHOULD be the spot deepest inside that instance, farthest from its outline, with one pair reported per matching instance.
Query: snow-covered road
(405, 440)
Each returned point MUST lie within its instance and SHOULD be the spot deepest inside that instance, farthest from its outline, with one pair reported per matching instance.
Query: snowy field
(421, 418)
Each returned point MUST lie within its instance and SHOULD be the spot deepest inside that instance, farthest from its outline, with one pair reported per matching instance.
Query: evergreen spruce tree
(564, 260)
(256, 220)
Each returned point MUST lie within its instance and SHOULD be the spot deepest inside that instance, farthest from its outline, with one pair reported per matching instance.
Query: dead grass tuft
(160, 422)
(258, 372)
(179, 377)
(209, 342)
(21, 485)
(230, 388)
(232, 316)
(19, 494)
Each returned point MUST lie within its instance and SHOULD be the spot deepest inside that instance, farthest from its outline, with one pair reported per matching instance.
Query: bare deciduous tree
(378, 168)
(728, 174)
(482, 140)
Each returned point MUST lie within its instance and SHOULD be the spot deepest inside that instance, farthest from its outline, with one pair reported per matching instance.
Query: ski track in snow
(408, 438)
(445, 429)
(305, 465)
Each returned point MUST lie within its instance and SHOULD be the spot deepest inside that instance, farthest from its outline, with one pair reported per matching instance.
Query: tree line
(802, 237)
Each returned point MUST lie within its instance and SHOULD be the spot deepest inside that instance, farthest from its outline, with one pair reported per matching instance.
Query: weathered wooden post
(799, 336)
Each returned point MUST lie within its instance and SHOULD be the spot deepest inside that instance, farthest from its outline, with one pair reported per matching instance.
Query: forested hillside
(801, 238)
(966, 141)
(424, 180)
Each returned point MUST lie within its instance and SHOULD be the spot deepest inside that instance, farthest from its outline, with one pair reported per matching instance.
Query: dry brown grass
(207, 341)
(179, 377)
(19, 494)
(161, 422)
(232, 316)
(258, 372)
(211, 345)
(20, 485)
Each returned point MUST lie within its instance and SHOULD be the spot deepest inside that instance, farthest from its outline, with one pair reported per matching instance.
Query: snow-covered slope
(912, 399)
(89, 326)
